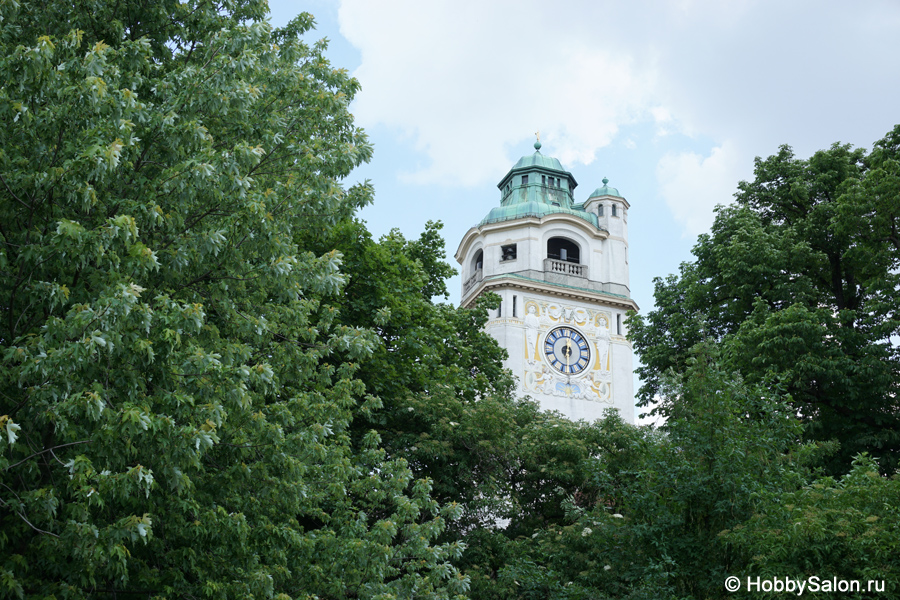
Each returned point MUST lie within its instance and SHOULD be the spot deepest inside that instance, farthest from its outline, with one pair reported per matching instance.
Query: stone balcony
(566, 274)
(562, 267)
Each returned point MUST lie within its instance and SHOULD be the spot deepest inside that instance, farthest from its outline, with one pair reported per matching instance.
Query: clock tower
(561, 271)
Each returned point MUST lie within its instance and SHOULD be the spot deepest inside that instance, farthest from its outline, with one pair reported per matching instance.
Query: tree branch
(21, 516)
(47, 450)
(13, 194)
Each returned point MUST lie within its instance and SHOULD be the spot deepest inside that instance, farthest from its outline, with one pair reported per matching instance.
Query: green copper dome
(539, 160)
(536, 209)
(537, 186)
(605, 190)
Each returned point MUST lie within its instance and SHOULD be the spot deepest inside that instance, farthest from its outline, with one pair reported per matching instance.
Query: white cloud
(692, 185)
(466, 81)
(661, 114)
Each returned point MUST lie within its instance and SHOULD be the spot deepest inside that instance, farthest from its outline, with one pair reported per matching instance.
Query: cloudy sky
(670, 100)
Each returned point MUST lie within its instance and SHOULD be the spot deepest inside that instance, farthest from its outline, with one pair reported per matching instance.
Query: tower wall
(561, 271)
(606, 383)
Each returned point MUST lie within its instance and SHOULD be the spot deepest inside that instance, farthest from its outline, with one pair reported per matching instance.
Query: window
(500, 309)
(544, 180)
(562, 249)
(524, 179)
(514, 306)
(618, 324)
(614, 210)
(599, 210)
(507, 252)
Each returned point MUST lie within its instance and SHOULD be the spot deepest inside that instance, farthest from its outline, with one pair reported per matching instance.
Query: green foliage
(391, 288)
(546, 464)
(798, 282)
(663, 497)
(215, 382)
(844, 528)
(447, 403)
(437, 374)
(447, 407)
(178, 387)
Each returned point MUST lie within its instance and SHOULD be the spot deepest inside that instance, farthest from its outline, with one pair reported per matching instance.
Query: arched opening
(475, 272)
(477, 261)
(559, 248)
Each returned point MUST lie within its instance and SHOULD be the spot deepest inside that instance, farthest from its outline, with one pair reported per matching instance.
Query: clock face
(567, 351)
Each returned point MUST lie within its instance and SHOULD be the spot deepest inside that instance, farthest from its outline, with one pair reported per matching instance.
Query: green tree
(833, 527)
(446, 399)
(798, 282)
(449, 409)
(178, 390)
(664, 497)
(448, 406)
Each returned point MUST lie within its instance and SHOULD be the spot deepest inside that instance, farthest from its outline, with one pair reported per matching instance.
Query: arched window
(562, 249)
(477, 261)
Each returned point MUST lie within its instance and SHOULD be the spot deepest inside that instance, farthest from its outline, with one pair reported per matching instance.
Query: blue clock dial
(567, 351)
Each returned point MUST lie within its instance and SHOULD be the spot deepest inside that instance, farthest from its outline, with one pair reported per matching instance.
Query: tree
(664, 497)
(831, 528)
(448, 405)
(177, 389)
(797, 281)
(433, 370)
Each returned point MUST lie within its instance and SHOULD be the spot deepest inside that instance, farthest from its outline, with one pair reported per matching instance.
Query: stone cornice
(551, 289)
(595, 199)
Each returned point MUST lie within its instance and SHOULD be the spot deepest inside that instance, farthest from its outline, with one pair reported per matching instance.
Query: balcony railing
(471, 281)
(564, 267)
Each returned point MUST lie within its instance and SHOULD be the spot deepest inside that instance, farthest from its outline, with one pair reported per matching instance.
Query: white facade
(561, 270)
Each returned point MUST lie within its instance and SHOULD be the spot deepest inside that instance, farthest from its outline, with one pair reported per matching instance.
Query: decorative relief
(595, 382)
(532, 329)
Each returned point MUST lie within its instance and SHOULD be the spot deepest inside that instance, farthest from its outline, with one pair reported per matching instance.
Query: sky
(669, 100)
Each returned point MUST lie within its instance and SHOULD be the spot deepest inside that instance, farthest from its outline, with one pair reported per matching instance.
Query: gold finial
(538, 134)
